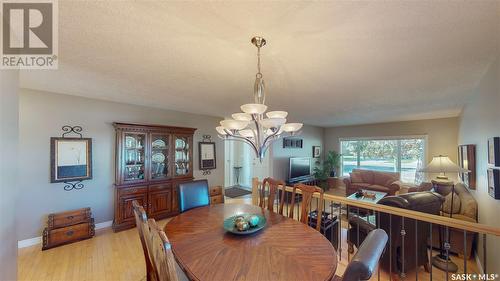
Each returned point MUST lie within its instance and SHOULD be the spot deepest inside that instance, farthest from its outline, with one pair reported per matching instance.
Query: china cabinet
(151, 162)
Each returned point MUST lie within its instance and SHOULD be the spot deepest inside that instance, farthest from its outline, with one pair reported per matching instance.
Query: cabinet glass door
(134, 157)
(182, 155)
(159, 156)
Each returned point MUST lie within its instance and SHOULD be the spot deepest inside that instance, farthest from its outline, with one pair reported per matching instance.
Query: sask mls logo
(29, 35)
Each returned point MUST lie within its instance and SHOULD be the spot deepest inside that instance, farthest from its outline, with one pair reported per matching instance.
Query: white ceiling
(328, 63)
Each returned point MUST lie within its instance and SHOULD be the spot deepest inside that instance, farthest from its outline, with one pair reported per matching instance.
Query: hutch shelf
(151, 162)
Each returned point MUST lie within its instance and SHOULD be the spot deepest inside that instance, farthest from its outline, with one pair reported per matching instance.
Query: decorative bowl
(230, 224)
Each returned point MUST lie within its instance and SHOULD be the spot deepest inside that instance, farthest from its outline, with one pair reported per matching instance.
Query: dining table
(285, 249)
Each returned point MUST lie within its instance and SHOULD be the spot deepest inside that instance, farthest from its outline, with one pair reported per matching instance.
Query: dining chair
(273, 189)
(363, 264)
(193, 194)
(163, 260)
(307, 195)
(141, 221)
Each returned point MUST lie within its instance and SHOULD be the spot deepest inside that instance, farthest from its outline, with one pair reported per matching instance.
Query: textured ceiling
(327, 63)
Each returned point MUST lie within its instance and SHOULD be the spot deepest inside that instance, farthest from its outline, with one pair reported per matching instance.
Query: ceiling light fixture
(251, 126)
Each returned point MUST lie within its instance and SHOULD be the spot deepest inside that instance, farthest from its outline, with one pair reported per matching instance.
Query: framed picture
(292, 143)
(70, 159)
(494, 151)
(207, 155)
(316, 151)
(494, 183)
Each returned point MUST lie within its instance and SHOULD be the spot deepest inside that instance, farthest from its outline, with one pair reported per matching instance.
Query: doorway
(241, 165)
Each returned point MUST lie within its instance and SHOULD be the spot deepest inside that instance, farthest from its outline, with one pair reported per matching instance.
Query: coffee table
(361, 211)
(378, 195)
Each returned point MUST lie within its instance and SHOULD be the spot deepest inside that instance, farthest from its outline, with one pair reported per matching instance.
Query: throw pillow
(447, 208)
(356, 177)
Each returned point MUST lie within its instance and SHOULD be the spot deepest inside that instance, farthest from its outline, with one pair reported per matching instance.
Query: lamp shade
(277, 114)
(254, 108)
(233, 124)
(242, 116)
(272, 122)
(291, 127)
(442, 164)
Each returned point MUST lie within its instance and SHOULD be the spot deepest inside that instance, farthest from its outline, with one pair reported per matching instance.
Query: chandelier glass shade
(253, 125)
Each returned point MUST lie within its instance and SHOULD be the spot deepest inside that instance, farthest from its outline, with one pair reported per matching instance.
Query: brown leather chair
(363, 264)
(402, 256)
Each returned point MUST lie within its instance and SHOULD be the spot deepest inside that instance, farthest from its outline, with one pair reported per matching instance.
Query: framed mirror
(467, 160)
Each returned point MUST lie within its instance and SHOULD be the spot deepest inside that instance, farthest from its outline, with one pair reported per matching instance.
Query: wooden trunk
(151, 162)
(68, 227)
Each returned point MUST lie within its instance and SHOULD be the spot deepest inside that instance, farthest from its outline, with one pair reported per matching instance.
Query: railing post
(403, 234)
(255, 191)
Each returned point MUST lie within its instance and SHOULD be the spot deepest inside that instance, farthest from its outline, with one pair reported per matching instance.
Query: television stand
(306, 181)
(298, 197)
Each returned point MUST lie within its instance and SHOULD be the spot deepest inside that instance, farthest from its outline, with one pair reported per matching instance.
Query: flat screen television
(300, 168)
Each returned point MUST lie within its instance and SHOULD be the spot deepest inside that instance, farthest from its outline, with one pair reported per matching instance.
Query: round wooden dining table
(284, 250)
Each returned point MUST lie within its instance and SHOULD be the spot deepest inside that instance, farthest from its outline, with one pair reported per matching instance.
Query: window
(395, 154)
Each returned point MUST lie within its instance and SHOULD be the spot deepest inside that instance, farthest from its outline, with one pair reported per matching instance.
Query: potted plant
(327, 169)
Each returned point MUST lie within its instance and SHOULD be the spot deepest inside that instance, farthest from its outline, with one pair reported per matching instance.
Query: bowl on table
(245, 224)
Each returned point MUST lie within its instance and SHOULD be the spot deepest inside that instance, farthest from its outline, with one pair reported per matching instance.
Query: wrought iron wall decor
(207, 157)
(70, 158)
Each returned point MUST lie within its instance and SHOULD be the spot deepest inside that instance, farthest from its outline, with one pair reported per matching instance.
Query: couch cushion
(447, 207)
(385, 179)
(356, 177)
(376, 187)
(468, 205)
(366, 175)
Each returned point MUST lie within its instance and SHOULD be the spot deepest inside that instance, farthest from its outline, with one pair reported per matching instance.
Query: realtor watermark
(29, 34)
(475, 277)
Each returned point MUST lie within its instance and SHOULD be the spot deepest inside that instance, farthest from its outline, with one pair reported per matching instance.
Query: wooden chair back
(161, 253)
(273, 185)
(141, 222)
(307, 196)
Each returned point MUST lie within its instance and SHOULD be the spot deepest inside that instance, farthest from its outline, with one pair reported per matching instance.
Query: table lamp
(442, 164)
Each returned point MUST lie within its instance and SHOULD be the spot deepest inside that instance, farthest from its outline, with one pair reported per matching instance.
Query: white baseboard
(38, 240)
(102, 225)
(29, 242)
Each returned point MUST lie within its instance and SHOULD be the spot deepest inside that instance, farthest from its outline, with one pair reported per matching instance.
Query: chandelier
(252, 126)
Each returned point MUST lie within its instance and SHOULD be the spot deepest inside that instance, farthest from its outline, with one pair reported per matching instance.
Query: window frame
(396, 138)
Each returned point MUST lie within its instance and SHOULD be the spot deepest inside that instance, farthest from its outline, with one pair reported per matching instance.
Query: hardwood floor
(118, 256)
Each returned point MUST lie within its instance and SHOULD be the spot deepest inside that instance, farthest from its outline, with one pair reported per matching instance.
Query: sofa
(465, 208)
(372, 180)
(416, 235)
